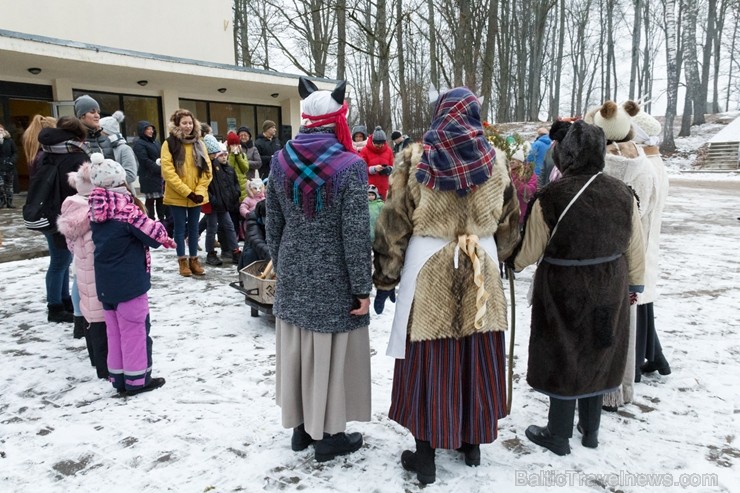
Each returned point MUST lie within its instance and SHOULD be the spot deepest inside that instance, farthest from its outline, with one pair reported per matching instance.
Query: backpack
(44, 198)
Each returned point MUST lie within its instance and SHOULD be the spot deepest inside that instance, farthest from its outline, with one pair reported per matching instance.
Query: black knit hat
(396, 134)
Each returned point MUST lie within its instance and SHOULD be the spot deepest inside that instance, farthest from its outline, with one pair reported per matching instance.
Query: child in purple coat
(123, 233)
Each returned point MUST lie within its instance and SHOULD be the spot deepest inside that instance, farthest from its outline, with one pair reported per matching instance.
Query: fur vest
(580, 306)
(445, 298)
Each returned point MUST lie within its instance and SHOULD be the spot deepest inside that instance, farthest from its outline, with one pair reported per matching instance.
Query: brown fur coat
(444, 301)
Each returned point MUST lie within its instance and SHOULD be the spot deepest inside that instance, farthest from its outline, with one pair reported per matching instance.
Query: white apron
(420, 249)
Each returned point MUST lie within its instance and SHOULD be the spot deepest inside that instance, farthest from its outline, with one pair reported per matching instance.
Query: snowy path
(215, 427)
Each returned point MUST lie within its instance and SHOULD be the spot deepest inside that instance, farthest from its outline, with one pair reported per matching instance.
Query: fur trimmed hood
(175, 131)
(74, 221)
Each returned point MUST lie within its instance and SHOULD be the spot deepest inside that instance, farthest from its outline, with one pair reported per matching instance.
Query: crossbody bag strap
(575, 197)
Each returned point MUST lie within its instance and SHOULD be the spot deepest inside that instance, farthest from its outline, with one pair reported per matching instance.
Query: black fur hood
(582, 150)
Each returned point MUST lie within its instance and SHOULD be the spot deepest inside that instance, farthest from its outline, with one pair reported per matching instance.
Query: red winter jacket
(374, 157)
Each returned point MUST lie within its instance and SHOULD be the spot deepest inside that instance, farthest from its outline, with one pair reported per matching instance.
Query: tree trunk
(402, 93)
(693, 79)
(636, 31)
(434, 64)
(341, 39)
(489, 60)
(732, 55)
(700, 98)
(555, 106)
(669, 145)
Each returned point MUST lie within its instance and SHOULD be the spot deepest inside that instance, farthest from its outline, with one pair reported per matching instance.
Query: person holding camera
(379, 158)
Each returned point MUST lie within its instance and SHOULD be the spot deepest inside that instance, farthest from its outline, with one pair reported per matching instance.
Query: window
(224, 117)
(135, 108)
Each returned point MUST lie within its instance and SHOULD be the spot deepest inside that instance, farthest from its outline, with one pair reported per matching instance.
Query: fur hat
(374, 190)
(359, 129)
(613, 120)
(106, 173)
(379, 135)
(255, 185)
(645, 123)
(232, 139)
(518, 155)
(85, 103)
(80, 179)
(112, 124)
(558, 130)
(396, 134)
(582, 150)
(212, 145)
(268, 125)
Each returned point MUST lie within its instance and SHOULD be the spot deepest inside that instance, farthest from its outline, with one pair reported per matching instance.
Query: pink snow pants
(129, 344)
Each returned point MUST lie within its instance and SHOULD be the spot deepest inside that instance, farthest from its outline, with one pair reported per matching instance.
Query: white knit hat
(111, 124)
(518, 155)
(106, 173)
(613, 120)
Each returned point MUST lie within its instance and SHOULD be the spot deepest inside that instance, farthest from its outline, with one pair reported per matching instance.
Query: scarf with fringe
(310, 166)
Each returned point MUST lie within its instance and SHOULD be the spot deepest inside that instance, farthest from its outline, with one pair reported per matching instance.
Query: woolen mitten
(381, 296)
(195, 198)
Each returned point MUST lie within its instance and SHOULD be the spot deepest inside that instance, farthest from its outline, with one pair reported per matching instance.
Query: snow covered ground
(214, 426)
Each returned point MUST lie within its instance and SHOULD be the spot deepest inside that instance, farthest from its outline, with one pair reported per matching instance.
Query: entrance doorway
(21, 112)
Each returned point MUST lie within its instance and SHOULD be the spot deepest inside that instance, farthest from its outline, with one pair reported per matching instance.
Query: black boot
(300, 440)
(57, 313)
(421, 462)
(589, 418)
(98, 347)
(68, 305)
(79, 330)
(659, 364)
(154, 383)
(542, 436)
(472, 453)
(339, 444)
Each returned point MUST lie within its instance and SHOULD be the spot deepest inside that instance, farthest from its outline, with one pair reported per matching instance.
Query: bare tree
(693, 80)
(636, 32)
(669, 145)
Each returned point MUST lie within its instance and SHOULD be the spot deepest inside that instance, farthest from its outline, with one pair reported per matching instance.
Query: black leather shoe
(610, 409)
(542, 436)
(300, 440)
(590, 439)
(472, 453)
(340, 444)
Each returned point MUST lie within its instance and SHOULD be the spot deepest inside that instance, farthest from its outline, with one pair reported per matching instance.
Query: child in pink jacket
(74, 224)
(255, 194)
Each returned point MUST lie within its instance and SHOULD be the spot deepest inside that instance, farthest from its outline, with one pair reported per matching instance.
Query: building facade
(144, 58)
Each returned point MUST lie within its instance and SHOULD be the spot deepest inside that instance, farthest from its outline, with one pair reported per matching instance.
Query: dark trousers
(155, 205)
(560, 415)
(96, 338)
(648, 348)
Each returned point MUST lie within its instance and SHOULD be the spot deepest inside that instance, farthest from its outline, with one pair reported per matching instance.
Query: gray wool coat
(323, 262)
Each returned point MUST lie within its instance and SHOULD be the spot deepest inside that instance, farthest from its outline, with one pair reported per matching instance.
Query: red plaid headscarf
(457, 156)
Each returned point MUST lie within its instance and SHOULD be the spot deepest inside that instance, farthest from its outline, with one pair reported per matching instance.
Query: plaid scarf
(456, 156)
(67, 147)
(310, 165)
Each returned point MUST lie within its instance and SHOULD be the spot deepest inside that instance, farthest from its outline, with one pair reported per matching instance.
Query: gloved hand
(381, 296)
(169, 243)
(195, 198)
(633, 298)
(386, 170)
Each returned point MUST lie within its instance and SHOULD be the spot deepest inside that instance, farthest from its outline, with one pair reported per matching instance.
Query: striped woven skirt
(449, 391)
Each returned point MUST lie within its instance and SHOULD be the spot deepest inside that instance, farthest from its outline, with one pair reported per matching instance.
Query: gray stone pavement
(19, 243)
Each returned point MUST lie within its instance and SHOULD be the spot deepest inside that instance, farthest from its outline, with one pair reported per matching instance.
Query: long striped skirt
(449, 391)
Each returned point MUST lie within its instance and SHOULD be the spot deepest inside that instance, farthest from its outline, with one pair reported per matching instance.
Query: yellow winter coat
(178, 186)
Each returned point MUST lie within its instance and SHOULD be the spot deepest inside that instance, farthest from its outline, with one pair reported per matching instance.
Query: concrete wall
(194, 29)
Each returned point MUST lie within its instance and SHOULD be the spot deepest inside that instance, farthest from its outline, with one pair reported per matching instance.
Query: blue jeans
(76, 298)
(186, 219)
(57, 277)
(224, 220)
